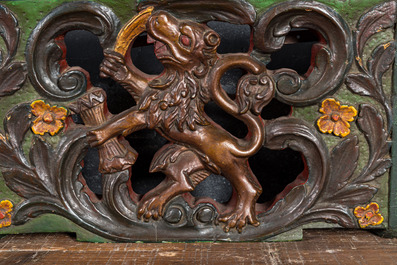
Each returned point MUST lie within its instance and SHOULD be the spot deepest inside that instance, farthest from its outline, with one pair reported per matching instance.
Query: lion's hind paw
(151, 208)
(238, 221)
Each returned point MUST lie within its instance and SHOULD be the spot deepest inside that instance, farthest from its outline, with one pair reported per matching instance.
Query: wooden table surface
(317, 247)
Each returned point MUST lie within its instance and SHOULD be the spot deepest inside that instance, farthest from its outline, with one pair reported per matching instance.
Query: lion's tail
(256, 136)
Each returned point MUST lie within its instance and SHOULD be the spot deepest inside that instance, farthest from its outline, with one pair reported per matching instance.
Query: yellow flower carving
(336, 119)
(49, 119)
(5, 216)
(369, 215)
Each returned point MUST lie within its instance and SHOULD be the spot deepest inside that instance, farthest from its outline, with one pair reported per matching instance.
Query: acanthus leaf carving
(12, 78)
(343, 164)
(371, 124)
(353, 194)
(40, 153)
(16, 125)
(330, 212)
(381, 60)
(340, 191)
(369, 81)
(362, 85)
(374, 21)
(25, 183)
(9, 31)
(12, 74)
(27, 179)
(345, 190)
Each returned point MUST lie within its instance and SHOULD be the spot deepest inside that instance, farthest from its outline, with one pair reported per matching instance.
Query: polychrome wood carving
(344, 141)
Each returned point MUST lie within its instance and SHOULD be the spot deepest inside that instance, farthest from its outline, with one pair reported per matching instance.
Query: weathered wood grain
(318, 247)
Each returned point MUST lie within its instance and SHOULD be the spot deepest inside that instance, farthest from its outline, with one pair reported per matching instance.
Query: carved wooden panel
(197, 120)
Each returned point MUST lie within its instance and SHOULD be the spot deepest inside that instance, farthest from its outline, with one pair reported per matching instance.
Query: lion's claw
(238, 221)
(97, 137)
(113, 66)
(151, 208)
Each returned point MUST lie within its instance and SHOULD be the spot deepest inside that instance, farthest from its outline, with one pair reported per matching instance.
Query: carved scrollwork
(332, 55)
(115, 214)
(296, 134)
(46, 51)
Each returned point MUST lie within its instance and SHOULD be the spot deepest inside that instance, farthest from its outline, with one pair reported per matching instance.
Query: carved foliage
(332, 55)
(47, 67)
(376, 20)
(369, 81)
(12, 74)
(371, 124)
(26, 178)
(343, 189)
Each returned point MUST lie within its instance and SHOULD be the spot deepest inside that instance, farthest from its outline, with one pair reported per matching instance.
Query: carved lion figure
(173, 104)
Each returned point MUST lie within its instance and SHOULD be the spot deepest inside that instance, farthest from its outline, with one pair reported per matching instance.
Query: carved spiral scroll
(45, 49)
(287, 132)
(333, 55)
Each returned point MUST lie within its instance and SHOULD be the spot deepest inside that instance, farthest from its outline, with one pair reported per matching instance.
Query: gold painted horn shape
(131, 30)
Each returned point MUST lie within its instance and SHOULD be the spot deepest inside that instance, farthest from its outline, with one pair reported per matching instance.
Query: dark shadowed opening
(275, 169)
(143, 56)
(146, 143)
(234, 38)
(296, 53)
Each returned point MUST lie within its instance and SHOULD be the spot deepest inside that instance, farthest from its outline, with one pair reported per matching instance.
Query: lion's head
(182, 44)
(187, 50)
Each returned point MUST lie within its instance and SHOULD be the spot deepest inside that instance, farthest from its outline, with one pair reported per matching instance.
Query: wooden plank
(318, 247)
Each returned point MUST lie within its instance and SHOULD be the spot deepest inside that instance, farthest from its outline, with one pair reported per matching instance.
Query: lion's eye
(185, 40)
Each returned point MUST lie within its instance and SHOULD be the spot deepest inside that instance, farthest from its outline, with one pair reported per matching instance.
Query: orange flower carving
(5, 216)
(336, 119)
(369, 215)
(49, 119)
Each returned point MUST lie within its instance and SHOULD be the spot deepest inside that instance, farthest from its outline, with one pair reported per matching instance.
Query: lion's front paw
(113, 66)
(151, 208)
(238, 219)
(97, 137)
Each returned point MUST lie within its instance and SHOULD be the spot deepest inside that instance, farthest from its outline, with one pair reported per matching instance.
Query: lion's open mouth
(161, 50)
